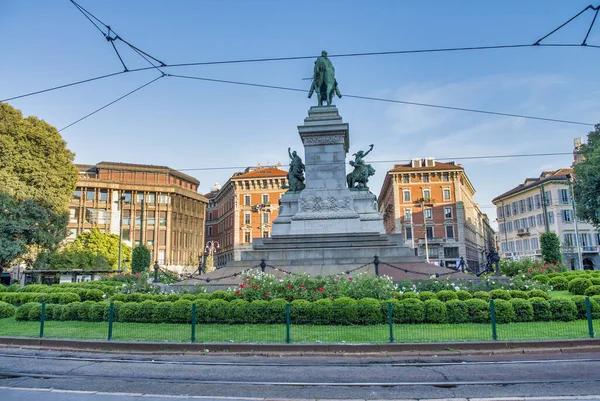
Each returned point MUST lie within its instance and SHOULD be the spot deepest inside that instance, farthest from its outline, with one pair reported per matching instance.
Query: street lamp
(421, 203)
(156, 267)
(579, 253)
(120, 203)
(212, 247)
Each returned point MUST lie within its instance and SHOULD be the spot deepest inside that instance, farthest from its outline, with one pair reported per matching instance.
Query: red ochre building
(161, 209)
(242, 209)
(448, 216)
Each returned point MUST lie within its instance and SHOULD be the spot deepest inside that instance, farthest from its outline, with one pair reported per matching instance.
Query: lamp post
(579, 253)
(421, 203)
(156, 267)
(211, 248)
(120, 203)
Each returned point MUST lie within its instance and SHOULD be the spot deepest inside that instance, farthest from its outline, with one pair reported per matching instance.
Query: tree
(140, 259)
(34, 161)
(26, 224)
(102, 244)
(69, 259)
(550, 244)
(587, 179)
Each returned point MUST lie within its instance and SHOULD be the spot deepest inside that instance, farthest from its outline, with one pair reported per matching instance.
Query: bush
(582, 308)
(479, 311)
(162, 312)
(181, 311)
(504, 311)
(68, 297)
(369, 312)
(484, 296)
(518, 294)
(35, 313)
(344, 311)
(457, 311)
(500, 294)
(562, 309)
(427, 295)
(538, 294)
(53, 311)
(93, 295)
(523, 309)
(408, 311)
(541, 309)
(129, 312)
(220, 294)
(239, 312)
(218, 311)
(593, 290)
(408, 295)
(579, 285)
(542, 278)
(446, 295)
(97, 311)
(435, 311)
(594, 280)
(6, 310)
(22, 312)
(301, 312)
(146, 311)
(559, 283)
(463, 295)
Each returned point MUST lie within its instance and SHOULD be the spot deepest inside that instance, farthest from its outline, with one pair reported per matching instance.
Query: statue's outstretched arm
(290, 153)
(368, 151)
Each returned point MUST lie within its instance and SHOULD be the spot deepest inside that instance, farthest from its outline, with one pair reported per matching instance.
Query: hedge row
(17, 298)
(462, 295)
(341, 311)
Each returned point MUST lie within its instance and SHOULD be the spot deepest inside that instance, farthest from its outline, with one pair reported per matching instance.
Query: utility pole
(422, 204)
(579, 253)
(505, 233)
(120, 203)
(545, 208)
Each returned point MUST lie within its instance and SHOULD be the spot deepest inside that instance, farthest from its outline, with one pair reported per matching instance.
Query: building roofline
(522, 187)
(144, 167)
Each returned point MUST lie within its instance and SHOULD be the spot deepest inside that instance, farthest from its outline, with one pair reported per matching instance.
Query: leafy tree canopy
(34, 160)
(550, 244)
(100, 244)
(587, 183)
(140, 259)
(24, 224)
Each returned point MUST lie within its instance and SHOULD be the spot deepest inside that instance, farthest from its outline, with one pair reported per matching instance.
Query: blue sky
(189, 124)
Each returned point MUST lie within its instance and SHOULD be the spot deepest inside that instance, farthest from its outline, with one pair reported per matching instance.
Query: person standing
(461, 265)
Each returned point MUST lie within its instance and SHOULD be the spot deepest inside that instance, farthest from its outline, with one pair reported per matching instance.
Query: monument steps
(318, 241)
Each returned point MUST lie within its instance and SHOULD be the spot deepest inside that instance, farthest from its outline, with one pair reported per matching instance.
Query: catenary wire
(113, 102)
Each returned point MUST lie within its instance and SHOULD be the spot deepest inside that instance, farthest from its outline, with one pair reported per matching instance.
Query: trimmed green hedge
(579, 285)
(342, 311)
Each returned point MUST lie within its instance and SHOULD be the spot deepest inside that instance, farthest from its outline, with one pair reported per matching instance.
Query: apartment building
(545, 204)
(158, 207)
(431, 204)
(242, 209)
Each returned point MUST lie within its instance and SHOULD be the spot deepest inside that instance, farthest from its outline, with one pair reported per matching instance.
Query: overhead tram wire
(390, 101)
(113, 102)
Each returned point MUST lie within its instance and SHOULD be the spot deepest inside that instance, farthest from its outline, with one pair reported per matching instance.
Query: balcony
(590, 249)
(521, 232)
(431, 241)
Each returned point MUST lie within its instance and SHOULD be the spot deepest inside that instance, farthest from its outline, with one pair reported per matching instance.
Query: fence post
(288, 320)
(193, 323)
(111, 317)
(42, 318)
(588, 312)
(376, 263)
(493, 316)
(390, 322)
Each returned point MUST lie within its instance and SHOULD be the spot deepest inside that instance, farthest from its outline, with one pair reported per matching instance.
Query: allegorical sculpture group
(325, 85)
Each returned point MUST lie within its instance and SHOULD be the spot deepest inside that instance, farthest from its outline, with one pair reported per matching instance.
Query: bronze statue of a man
(324, 82)
(295, 174)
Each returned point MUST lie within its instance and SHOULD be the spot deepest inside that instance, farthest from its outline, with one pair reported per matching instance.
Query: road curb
(450, 348)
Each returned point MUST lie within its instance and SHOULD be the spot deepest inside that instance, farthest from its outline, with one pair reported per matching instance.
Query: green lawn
(262, 333)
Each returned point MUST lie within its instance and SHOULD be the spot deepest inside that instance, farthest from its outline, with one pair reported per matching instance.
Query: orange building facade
(434, 200)
(160, 208)
(243, 209)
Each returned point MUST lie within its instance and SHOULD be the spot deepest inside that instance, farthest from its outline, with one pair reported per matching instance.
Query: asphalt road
(27, 374)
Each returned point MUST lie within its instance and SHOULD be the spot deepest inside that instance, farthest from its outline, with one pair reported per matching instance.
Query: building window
(163, 199)
(210, 230)
(506, 211)
(265, 198)
(90, 195)
(531, 221)
(101, 216)
(126, 217)
(500, 212)
(450, 232)
(522, 206)
(265, 234)
(569, 240)
(447, 212)
(138, 219)
(151, 198)
(548, 198)
(567, 216)
(537, 201)
(247, 200)
(515, 208)
(517, 224)
(426, 194)
(446, 194)
(563, 197)
(446, 177)
(265, 217)
(151, 218)
(247, 218)
(408, 235)
(429, 232)
(428, 213)
(406, 196)
(162, 219)
(247, 237)
(529, 204)
(90, 215)
(451, 252)
(103, 195)
(550, 217)
(509, 227)
(539, 219)
(406, 179)
(407, 214)
(77, 194)
(126, 235)
(73, 216)
(501, 227)
(127, 195)
(425, 177)
(535, 243)
(210, 215)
